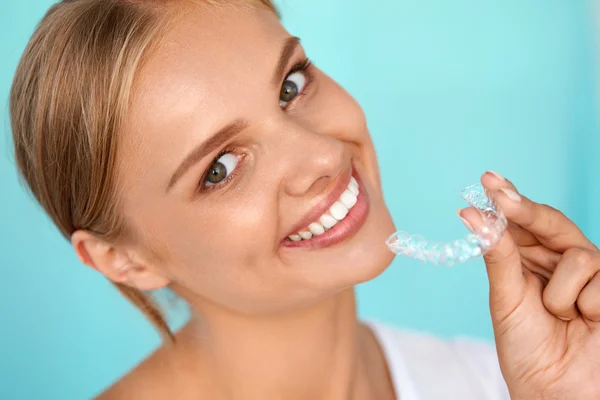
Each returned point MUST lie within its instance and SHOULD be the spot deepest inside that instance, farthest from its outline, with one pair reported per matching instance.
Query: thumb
(504, 269)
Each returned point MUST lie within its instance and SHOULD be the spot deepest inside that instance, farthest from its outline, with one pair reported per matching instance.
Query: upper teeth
(336, 213)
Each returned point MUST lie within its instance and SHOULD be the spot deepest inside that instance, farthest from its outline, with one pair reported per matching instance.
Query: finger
(549, 225)
(536, 257)
(574, 270)
(589, 299)
(504, 269)
(535, 253)
(539, 272)
(493, 181)
(522, 236)
(540, 259)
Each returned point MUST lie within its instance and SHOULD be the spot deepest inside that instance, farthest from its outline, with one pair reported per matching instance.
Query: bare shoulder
(173, 371)
(153, 378)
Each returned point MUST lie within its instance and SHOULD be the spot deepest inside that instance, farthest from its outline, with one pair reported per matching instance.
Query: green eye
(291, 87)
(289, 90)
(217, 173)
(221, 169)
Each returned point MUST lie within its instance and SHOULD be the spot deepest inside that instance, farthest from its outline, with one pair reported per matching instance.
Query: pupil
(217, 174)
(289, 90)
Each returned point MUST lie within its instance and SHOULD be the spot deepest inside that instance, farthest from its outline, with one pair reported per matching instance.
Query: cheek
(338, 114)
(219, 255)
(213, 237)
(343, 118)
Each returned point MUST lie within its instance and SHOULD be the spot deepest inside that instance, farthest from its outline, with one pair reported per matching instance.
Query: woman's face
(235, 144)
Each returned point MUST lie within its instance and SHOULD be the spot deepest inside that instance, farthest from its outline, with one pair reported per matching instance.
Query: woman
(192, 145)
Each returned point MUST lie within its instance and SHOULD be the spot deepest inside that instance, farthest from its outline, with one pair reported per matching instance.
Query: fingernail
(497, 175)
(511, 194)
(467, 223)
(564, 319)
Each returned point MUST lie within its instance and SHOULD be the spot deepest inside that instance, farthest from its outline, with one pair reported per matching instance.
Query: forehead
(207, 47)
(212, 65)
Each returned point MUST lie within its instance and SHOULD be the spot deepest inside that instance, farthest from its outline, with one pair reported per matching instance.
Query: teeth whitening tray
(473, 245)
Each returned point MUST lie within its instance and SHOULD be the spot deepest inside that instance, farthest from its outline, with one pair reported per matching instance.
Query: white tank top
(424, 367)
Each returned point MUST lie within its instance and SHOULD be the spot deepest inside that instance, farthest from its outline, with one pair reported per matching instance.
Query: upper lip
(326, 202)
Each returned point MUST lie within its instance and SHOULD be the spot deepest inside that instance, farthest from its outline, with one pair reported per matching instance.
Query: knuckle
(542, 217)
(585, 259)
(553, 303)
(589, 307)
(579, 257)
(550, 209)
(501, 257)
(551, 217)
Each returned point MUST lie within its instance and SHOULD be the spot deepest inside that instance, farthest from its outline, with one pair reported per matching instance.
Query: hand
(544, 299)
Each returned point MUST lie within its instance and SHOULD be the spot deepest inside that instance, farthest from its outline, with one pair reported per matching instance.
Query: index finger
(552, 228)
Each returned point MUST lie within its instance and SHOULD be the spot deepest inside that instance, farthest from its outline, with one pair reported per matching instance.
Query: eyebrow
(289, 48)
(203, 149)
(226, 133)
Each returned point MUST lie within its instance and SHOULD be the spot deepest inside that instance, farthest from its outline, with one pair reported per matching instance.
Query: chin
(361, 259)
(352, 252)
(370, 264)
(368, 253)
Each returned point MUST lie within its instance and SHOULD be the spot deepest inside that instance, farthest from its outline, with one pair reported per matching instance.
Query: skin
(279, 323)
(544, 299)
(257, 305)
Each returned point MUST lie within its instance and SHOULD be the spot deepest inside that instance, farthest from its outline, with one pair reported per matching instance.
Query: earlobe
(115, 263)
(142, 278)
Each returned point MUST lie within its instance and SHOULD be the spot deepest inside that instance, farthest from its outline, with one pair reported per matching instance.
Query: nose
(312, 160)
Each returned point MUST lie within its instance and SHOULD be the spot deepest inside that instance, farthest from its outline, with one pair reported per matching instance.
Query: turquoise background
(451, 88)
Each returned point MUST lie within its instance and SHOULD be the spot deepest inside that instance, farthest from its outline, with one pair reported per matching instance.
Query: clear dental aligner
(473, 245)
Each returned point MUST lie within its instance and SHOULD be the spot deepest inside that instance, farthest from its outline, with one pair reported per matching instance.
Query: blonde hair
(69, 98)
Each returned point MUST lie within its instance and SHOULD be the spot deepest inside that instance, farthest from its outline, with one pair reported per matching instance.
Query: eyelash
(303, 66)
(226, 150)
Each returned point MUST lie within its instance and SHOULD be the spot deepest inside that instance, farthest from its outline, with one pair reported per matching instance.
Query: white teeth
(348, 199)
(316, 229)
(328, 221)
(305, 235)
(338, 211)
(353, 186)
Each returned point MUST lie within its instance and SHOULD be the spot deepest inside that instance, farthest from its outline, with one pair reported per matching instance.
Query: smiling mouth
(336, 213)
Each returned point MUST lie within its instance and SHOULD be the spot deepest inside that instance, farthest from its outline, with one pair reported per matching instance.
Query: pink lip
(343, 229)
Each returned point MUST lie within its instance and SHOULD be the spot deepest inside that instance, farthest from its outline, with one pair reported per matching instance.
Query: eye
(292, 87)
(221, 169)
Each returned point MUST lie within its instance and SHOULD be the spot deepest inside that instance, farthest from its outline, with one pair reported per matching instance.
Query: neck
(318, 352)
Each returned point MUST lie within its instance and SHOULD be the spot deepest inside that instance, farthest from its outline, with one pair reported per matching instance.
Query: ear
(115, 263)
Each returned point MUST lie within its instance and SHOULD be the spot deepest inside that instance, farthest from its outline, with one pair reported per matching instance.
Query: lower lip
(343, 230)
